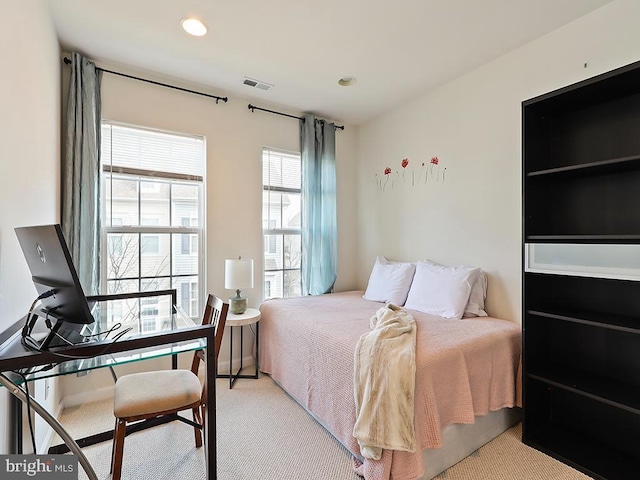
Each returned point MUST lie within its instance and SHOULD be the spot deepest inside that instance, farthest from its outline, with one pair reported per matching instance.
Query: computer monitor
(63, 305)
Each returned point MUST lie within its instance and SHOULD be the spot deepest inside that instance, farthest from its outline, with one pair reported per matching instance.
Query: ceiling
(395, 49)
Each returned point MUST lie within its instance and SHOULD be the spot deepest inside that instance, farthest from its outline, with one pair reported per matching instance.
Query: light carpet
(263, 434)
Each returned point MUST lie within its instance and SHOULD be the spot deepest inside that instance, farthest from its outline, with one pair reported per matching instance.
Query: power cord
(114, 327)
(23, 375)
(26, 389)
(104, 351)
(33, 344)
(32, 317)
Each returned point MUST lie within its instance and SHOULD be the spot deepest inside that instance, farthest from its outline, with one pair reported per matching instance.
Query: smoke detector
(257, 84)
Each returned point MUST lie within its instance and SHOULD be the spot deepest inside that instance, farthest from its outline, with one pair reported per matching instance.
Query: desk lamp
(238, 274)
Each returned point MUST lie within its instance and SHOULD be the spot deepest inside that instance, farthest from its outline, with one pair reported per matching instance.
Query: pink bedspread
(464, 368)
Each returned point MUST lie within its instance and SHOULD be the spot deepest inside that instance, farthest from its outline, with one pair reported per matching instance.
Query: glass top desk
(156, 328)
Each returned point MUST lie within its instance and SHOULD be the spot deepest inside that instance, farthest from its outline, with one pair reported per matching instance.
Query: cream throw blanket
(384, 383)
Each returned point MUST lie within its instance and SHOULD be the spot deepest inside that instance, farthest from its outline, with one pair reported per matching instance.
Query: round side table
(249, 317)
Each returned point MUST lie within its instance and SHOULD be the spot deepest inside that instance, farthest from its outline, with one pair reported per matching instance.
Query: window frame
(270, 273)
(174, 233)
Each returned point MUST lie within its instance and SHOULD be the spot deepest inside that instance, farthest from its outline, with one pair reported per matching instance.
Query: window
(115, 244)
(189, 298)
(150, 244)
(148, 322)
(152, 200)
(188, 243)
(281, 215)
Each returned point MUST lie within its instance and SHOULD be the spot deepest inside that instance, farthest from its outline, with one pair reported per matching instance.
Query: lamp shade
(238, 274)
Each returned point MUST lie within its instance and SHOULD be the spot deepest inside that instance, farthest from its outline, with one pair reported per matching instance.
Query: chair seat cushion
(150, 392)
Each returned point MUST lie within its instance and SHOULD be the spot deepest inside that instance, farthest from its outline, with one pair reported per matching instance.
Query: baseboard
(247, 361)
(43, 448)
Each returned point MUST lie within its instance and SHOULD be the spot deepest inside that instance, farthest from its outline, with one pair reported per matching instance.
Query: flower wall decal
(404, 163)
(382, 184)
(426, 171)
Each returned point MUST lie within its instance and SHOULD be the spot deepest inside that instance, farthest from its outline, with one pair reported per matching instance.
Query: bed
(466, 384)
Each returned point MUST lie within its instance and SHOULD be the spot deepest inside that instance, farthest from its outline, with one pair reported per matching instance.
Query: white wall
(29, 159)
(473, 124)
(235, 138)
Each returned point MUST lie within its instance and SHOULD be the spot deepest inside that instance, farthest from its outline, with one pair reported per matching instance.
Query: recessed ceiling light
(347, 81)
(194, 27)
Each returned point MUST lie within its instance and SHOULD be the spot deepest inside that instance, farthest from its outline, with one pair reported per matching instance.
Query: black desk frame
(29, 358)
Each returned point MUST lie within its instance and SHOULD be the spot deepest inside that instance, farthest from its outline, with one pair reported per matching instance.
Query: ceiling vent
(257, 84)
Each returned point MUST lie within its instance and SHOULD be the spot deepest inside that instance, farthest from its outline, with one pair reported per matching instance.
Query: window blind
(152, 150)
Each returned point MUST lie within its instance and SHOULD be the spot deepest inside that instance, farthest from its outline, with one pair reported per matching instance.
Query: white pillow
(389, 281)
(475, 305)
(440, 290)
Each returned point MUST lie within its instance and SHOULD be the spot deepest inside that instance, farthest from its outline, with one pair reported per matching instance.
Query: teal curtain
(319, 223)
(81, 172)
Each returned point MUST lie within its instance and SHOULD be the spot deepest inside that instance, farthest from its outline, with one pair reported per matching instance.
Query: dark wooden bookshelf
(575, 450)
(581, 334)
(614, 322)
(600, 389)
(594, 168)
(598, 239)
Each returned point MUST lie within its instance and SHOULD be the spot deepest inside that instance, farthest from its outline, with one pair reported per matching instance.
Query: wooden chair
(144, 397)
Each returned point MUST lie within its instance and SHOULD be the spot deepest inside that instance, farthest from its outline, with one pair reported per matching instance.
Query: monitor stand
(51, 331)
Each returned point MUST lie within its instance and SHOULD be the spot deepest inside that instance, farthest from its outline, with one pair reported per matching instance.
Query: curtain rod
(224, 99)
(253, 107)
